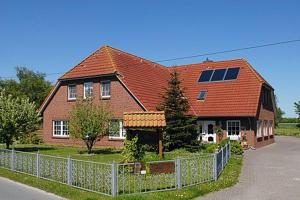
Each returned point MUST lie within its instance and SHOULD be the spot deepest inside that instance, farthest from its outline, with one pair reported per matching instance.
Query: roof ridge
(220, 61)
(136, 56)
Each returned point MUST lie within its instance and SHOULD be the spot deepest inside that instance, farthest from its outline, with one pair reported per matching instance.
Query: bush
(209, 148)
(236, 148)
(133, 151)
(31, 138)
(223, 143)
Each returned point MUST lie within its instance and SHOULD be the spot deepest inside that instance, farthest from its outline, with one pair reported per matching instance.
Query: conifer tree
(181, 128)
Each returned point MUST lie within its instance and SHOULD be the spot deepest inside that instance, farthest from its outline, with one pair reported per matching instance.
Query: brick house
(230, 94)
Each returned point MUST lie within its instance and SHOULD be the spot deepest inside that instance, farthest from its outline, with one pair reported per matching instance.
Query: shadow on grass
(101, 151)
(33, 149)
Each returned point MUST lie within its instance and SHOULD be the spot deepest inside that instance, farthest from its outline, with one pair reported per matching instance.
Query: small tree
(181, 128)
(18, 117)
(89, 122)
(297, 110)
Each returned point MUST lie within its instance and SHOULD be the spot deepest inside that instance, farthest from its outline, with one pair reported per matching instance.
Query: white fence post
(69, 170)
(38, 164)
(178, 172)
(114, 179)
(12, 160)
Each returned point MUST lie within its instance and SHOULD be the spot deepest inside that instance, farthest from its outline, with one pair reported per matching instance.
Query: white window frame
(63, 133)
(235, 136)
(259, 131)
(69, 93)
(270, 126)
(122, 132)
(84, 89)
(102, 89)
(265, 127)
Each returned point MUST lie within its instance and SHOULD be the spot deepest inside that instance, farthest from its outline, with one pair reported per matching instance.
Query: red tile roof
(146, 81)
(152, 119)
(238, 97)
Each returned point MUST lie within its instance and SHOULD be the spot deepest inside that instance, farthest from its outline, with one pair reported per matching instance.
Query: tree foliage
(297, 110)
(18, 117)
(279, 116)
(89, 122)
(181, 128)
(28, 84)
(133, 151)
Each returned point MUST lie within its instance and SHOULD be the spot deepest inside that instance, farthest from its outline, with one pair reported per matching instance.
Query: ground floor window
(116, 130)
(266, 128)
(233, 127)
(270, 127)
(61, 128)
(259, 129)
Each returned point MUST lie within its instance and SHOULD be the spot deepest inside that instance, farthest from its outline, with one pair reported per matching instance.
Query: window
(233, 127)
(270, 127)
(266, 128)
(88, 90)
(259, 128)
(71, 92)
(202, 95)
(61, 128)
(218, 75)
(116, 130)
(205, 75)
(105, 89)
(232, 73)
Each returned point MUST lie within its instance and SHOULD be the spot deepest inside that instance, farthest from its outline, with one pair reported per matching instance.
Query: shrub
(133, 151)
(236, 148)
(31, 138)
(209, 148)
(223, 143)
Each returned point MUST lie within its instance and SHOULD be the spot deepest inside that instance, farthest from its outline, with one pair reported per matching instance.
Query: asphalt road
(268, 173)
(10, 190)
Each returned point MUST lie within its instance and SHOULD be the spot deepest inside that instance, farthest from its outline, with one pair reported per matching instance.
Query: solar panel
(218, 75)
(205, 76)
(202, 95)
(232, 73)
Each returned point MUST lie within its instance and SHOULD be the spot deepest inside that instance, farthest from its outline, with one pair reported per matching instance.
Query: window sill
(71, 100)
(105, 97)
(60, 137)
(116, 138)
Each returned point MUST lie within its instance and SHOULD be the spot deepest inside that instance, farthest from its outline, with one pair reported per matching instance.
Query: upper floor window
(88, 90)
(105, 89)
(71, 92)
(61, 128)
(233, 127)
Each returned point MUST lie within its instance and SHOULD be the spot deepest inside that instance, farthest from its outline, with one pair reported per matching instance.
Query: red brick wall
(59, 108)
(265, 114)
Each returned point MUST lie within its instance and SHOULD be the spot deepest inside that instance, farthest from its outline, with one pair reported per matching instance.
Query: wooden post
(160, 143)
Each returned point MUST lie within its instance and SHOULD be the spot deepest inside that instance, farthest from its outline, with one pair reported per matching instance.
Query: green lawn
(289, 129)
(103, 155)
(228, 178)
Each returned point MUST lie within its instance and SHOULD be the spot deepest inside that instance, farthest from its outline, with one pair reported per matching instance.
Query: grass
(288, 129)
(103, 155)
(228, 178)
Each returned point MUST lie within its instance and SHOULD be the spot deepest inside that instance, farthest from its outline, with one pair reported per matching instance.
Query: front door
(208, 134)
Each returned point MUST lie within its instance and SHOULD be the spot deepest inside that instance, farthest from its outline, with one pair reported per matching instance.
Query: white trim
(61, 129)
(107, 96)
(270, 126)
(84, 84)
(233, 137)
(74, 98)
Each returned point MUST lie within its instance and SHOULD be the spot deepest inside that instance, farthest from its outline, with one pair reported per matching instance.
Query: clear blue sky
(52, 36)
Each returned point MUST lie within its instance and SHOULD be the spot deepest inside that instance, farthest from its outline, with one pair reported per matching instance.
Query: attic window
(202, 95)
